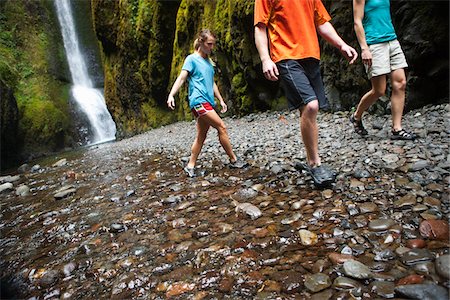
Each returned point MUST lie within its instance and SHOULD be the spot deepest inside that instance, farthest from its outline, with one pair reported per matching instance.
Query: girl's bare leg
(202, 131)
(214, 120)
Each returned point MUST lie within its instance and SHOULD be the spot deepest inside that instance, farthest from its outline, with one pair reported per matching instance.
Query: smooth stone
(434, 229)
(407, 200)
(423, 291)
(324, 295)
(383, 289)
(433, 202)
(6, 186)
(344, 283)
(418, 165)
(64, 192)
(416, 243)
(307, 237)
(401, 250)
(411, 279)
(317, 282)
(443, 265)
(338, 258)
(60, 163)
(415, 256)
(381, 224)
(368, 207)
(22, 191)
(356, 269)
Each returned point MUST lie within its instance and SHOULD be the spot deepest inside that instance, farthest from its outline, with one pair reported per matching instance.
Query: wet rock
(423, 291)
(418, 165)
(337, 258)
(443, 265)
(64, 192)
(244, 194)
(251, 210)
(416, 243)
(344, 283)
(368, 207)
(411, 279)
(307, 237)
(405, 201)
(60, 163)
(381, 224)
(356, 269)
(435, 229)
(172, 199)
(383, 289)
(317, 282)
(6, 187)
(415, 256)
(179, 288)
(49, 278)
(22, 191)
(324, 295)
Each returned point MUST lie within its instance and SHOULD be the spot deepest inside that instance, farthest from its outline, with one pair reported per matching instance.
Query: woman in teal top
(198, 69)
(382, 55)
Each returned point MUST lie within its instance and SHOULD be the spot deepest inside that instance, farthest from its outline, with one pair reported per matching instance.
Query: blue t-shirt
(377, 22)
(200, 79)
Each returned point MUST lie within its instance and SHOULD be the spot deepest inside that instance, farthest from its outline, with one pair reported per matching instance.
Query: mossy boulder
(34, 79)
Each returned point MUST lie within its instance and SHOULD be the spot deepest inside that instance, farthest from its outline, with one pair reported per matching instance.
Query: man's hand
(270, 70)
(349, 53)
(171, 102)
(366, 56)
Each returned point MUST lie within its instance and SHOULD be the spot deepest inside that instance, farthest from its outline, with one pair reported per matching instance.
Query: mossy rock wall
(34, 79)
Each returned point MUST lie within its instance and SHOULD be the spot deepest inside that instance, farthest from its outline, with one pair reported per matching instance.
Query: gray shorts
(386, 57)
(302, 82)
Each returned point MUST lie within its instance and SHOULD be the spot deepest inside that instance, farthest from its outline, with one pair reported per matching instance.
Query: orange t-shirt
(292, 26)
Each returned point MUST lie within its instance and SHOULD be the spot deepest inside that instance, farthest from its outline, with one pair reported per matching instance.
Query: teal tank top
(377, 22)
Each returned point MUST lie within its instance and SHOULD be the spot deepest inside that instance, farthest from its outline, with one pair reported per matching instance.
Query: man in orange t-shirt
(290, 29)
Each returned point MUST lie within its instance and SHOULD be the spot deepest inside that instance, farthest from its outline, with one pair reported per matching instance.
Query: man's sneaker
(189, 171)
(403, 135)
(237, 164)
(322, 176)
(357, 125)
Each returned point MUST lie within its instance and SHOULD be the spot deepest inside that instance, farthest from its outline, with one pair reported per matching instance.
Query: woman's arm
(176, 86)
(358, 15)
(219, 96)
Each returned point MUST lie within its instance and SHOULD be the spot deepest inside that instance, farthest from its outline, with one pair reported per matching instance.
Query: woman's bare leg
(202, 131)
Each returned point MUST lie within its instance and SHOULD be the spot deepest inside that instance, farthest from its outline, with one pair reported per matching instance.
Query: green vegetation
(29, 47)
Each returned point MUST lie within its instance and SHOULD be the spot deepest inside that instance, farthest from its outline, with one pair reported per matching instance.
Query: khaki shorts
(386, 57)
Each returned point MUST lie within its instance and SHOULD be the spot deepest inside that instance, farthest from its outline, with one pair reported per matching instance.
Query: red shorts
(201, 109)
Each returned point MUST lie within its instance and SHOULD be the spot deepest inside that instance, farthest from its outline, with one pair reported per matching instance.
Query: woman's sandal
(403, 135)
(357, 125)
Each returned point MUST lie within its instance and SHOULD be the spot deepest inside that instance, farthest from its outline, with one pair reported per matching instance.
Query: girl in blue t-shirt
(198, 69)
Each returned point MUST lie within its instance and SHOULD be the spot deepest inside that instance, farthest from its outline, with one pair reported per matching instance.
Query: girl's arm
(176, 86)
(219, 96)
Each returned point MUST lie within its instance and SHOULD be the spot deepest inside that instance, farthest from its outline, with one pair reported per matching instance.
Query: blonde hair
(202, 36)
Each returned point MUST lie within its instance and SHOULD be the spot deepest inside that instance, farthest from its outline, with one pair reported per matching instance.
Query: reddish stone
(416, 243)
(226, 284)
(179, 288)
(337, 258)
(411, 279)
(435, 229)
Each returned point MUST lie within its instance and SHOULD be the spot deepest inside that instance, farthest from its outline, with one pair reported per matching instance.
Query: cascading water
(89, 99)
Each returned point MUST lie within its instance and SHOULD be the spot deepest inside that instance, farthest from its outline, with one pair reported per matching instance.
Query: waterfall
(89, 99)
